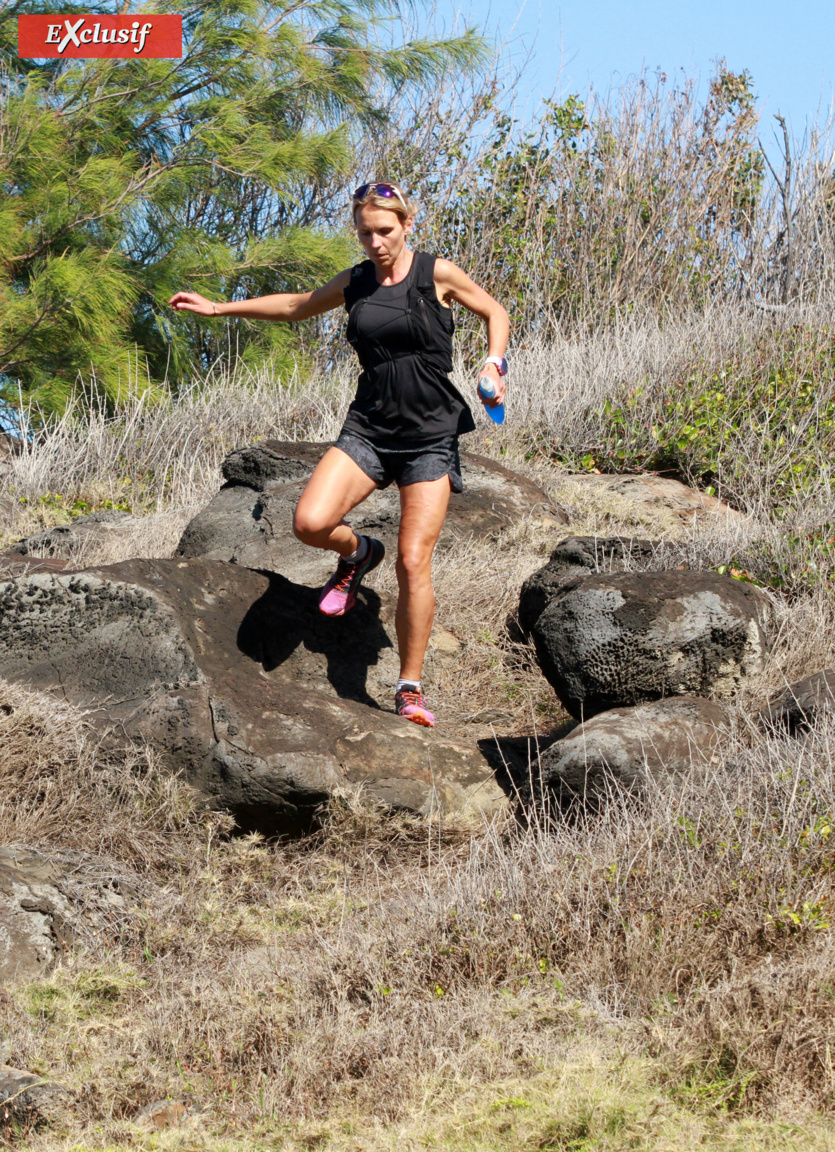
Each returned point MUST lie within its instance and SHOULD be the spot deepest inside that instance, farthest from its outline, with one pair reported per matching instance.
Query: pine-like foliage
(122, 181)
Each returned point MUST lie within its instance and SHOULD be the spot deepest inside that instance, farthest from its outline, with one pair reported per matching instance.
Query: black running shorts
(403, 466)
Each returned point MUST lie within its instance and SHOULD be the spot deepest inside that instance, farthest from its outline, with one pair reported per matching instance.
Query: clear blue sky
(789, 48)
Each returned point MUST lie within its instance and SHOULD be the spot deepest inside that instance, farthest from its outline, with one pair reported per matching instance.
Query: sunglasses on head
(386, 191)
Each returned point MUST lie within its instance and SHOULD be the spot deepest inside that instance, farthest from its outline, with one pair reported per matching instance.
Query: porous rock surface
(800, 705)
(572, 559)
(44, 907)
(612, 640)
(233, 674)
(626, 747)
(249, 521)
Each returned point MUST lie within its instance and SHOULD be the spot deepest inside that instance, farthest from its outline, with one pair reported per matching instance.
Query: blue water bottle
(487, 390)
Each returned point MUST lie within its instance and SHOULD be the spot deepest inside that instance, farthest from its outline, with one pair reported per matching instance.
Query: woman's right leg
(337, 485)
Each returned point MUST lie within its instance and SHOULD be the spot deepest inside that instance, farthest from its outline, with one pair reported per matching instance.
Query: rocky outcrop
(44, 907)
(662, 492)
(800, 705)
(610, 640)
(29, 1100)
(249, 522)
(65, 539)
(233, 674)
(572, 559)
(623, 749)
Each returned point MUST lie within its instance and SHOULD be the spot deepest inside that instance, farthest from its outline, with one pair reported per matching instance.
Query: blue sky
(788, 48)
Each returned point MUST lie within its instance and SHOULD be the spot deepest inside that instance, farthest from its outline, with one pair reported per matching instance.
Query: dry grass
(61, 787)
(660, 976)
(155, 456)
(676, 957)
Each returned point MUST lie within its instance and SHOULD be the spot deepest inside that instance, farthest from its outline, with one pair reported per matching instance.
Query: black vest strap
(425, 271)
(364, 279)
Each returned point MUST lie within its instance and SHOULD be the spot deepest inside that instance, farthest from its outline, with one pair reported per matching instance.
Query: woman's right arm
(281, 306)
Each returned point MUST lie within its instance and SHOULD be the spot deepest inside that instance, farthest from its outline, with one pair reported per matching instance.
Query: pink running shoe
(340, 593)
(412, 706)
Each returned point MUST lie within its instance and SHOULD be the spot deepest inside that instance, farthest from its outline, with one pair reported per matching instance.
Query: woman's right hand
(192, 302)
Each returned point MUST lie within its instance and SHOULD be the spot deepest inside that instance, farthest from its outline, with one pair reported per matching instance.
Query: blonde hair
(392, 203)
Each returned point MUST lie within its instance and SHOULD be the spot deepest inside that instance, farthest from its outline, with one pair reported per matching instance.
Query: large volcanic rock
(65, 539)
(624, 748)
(613, 640)
(685, 503)
(250, 520)
(44, 906)
(573, 558)
(237, 679)
(800, 705)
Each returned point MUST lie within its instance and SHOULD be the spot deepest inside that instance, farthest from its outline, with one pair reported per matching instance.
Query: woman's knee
(414, 563)
(311, 524)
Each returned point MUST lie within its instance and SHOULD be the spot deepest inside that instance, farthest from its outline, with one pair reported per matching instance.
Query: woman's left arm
(451, 283)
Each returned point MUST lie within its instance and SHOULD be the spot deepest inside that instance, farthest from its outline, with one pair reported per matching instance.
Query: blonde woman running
(404, 423)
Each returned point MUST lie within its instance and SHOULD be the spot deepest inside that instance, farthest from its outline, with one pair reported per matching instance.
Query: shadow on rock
(516, 760)
(287, 617)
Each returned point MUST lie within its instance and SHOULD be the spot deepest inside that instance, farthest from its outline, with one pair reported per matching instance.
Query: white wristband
(500, 363)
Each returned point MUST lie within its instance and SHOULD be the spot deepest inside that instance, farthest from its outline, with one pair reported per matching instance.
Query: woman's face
(382, 234)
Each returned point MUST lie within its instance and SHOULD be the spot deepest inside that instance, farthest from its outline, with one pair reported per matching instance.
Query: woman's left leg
(423, 507)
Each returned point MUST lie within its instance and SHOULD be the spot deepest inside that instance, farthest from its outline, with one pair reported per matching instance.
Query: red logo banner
(146, 37)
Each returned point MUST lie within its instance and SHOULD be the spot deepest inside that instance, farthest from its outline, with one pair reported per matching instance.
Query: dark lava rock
(250, 520)
(573, 558)
(269, 707)
(13, 564)
(623, 748)
(29, 1099)
(799, 705)
(61, 540)
(614, 640)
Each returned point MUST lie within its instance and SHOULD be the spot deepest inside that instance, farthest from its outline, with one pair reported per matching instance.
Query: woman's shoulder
(361, 270)
(434, 267)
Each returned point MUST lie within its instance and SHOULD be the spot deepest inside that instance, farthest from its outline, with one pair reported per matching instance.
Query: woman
(405, 420)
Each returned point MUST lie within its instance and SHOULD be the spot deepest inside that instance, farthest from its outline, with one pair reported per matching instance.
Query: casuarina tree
(124, 180)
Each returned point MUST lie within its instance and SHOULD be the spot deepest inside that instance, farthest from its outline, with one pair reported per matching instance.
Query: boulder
(66, 539)
(626, 747)
(44, 906)
(234, 675)
(249, 522)
(28, 1099)
(12, 564)
(573, 558)
(800, 705)
(664, 492)
(612, 640)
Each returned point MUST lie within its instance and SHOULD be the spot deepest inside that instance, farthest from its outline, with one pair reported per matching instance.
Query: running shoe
(412, 706)
(340, 593)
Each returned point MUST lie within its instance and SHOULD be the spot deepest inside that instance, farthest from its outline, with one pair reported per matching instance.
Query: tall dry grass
(656, 196)
(159, 455)
(389, 963)
(352, 990)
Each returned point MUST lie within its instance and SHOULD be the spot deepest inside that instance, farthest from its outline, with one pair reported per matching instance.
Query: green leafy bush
(764, 423)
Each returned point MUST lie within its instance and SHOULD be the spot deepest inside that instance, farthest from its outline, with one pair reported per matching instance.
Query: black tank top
(402, 335)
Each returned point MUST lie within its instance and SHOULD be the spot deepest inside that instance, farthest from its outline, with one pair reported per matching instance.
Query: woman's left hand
(491, 371)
